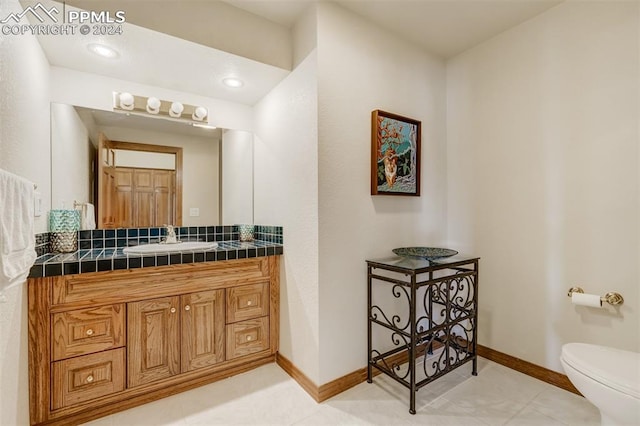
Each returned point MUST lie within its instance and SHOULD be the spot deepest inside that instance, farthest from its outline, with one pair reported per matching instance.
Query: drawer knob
(89, 378)
(172, 310)
(248, 338)
(89, 332)
(249, 303)
(187, 308)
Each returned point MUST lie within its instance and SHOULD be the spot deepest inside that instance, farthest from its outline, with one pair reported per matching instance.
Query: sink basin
(168, 248)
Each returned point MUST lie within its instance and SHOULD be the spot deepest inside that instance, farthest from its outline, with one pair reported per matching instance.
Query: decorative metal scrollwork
(435, 357)
(460, 341)
(461, 294)
(395, 321)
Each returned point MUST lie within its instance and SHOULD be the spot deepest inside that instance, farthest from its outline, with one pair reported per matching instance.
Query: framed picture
(395, 154)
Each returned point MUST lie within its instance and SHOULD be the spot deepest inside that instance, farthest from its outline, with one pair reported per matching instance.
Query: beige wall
(543, 183)
(286, 194)
(24, 150)
(362, 68)
(71, 158)
(237, 176)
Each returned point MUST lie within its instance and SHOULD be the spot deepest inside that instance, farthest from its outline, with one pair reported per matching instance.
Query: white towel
(88, 217)
(17, 237)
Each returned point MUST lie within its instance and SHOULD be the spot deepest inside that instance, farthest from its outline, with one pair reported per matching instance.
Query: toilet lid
(614, 368)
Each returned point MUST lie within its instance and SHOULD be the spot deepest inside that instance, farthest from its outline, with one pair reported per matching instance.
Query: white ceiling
(158, 59)
(443, 27)
(283, 12)
(449, 27)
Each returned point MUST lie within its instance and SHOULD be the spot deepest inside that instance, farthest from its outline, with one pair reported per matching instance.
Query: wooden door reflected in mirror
(130, 196)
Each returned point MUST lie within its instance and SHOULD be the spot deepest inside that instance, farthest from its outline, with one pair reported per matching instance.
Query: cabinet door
(203, 334)
(153, 340)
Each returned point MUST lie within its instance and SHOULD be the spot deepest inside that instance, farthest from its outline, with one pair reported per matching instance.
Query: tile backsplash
(43, 244)
(126, 237)
(272, 234)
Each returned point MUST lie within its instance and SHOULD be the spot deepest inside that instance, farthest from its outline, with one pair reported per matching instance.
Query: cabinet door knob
(89, 378)
(90, 332)
(172, 310)
(248, 338)
(187, 308)
(249, 303)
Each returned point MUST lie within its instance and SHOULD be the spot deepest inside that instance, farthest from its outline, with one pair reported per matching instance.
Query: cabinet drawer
(87, 377)
(86, 331)
(247, 302)
(247, 337)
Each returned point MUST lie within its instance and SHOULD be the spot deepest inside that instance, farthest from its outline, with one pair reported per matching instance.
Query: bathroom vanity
(102, 342)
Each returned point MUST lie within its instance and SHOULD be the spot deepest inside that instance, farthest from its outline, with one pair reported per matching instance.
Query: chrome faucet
(171, 235)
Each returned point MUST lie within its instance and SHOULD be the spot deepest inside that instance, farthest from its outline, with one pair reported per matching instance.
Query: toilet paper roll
(592, 300)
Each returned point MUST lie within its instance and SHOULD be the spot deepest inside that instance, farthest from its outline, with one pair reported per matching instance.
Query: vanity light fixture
(153, 105)
(233, 82)
(176, 109)
(103, 50)
(199, 114)
(127, 101)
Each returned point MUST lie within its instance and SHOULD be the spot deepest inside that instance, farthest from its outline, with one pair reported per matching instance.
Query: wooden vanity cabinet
(171, 335)
(105, 342)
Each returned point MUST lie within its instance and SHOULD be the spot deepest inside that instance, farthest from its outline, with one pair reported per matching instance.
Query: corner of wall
(304, 32)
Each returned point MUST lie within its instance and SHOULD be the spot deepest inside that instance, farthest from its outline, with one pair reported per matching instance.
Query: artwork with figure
(395, 165)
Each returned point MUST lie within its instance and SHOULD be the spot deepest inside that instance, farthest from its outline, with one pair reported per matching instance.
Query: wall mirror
(160, 171)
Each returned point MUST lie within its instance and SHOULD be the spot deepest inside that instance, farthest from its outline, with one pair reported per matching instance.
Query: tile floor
(268, 396)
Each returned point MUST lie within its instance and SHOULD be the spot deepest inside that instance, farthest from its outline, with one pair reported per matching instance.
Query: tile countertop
(98, 260)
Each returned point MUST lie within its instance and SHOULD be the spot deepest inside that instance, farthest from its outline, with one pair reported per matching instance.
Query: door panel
(203, 332)
(154, 341)
(123, 202)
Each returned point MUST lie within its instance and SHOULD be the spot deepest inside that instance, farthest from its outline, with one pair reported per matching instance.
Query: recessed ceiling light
(233, 82)
(102, 50)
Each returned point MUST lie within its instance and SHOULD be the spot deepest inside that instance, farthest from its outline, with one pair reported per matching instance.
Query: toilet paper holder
(612, 298)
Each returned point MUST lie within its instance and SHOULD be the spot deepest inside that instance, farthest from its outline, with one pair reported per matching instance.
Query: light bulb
(176, 109)
(199, 114)
(153, 105)
(126, 101)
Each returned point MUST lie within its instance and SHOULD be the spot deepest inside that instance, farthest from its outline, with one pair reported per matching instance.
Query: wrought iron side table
(431, 319)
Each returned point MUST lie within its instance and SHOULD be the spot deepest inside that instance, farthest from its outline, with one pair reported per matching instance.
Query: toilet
(609, 378)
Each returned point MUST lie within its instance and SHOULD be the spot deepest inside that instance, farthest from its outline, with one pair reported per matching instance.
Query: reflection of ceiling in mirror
(102, 118)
